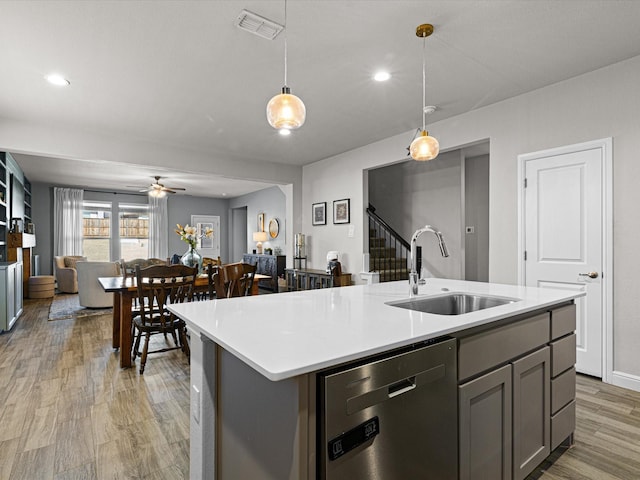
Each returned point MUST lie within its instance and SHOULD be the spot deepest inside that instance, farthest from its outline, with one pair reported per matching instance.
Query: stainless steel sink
(454, 303)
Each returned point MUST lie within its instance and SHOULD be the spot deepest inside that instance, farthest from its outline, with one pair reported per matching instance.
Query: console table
(270, 265)
(309, 279)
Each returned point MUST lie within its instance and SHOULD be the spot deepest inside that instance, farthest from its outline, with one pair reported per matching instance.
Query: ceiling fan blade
(173, 188)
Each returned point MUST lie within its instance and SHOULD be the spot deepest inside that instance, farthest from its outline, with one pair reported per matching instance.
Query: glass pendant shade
(424, 147)
(286, 111)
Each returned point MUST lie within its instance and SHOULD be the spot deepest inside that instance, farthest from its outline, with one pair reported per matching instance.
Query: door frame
(606, 146)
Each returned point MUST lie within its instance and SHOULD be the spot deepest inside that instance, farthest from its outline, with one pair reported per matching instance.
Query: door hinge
(525, 183)
(525, 255)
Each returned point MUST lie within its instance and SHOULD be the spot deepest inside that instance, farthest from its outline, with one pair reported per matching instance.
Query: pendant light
(424, 147)
(285, 111)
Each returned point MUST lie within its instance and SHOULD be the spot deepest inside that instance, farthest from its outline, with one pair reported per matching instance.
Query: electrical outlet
(470, 230)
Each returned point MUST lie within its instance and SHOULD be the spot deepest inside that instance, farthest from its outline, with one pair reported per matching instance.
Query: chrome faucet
(413, 275)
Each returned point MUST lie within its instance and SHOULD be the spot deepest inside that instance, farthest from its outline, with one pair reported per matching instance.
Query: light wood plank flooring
(67, 411)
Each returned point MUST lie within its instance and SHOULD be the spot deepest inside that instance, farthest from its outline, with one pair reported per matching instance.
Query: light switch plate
(351, 231)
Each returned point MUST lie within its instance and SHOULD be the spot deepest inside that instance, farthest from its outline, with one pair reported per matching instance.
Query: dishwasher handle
(403, 386)
(379, 395)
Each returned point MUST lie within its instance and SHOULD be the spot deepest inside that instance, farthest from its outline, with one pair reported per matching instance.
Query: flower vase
(192, 259)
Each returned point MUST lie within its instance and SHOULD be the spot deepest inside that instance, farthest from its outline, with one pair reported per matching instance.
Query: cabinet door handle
(590, 274)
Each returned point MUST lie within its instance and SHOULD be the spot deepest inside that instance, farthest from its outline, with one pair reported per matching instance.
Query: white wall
(603, 103)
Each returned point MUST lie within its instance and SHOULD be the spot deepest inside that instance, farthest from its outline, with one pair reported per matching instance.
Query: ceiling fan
(157, 189)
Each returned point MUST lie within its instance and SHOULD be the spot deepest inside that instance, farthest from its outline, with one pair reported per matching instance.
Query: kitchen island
(255, 361)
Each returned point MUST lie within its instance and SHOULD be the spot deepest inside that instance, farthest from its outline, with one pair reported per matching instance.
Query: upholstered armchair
(66, 275)
(90, 292)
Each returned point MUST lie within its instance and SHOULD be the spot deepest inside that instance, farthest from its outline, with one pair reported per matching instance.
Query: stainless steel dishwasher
(392, 418)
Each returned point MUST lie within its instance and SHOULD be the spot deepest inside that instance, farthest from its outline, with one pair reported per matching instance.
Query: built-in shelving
(27, 202)
(3, 207)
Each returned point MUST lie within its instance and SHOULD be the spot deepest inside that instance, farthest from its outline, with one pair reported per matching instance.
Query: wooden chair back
(128, 267)
(159, 285)
(210, 261)
(231, 280)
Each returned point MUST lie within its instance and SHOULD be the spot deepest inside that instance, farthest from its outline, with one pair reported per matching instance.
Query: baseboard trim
(625, 380)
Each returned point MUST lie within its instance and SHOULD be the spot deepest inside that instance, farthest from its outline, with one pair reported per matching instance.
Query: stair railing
(391, 267)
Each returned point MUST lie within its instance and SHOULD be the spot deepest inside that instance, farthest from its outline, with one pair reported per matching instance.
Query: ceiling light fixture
(424, 147)
(56, 79)
(285, 110)
(382, 76)
(157, 193)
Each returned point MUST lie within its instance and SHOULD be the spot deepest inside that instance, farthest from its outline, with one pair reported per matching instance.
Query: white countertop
(288, 334)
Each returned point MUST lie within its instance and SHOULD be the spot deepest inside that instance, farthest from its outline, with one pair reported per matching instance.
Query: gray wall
(412, 194)
(179, 210)
(476, 212)
(181, 207)
(270, 201)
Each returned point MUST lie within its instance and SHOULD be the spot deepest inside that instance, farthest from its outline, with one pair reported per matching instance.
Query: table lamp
(259, 237)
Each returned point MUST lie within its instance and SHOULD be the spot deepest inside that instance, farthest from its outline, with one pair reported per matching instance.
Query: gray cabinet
(516, 394)
(563, 374)
(271, 265)
(10, 294)
(531, 412)
(485, 415)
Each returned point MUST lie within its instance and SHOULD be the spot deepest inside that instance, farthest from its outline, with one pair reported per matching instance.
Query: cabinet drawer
(563, 424)
(563, 321)
(563, 354)
(482, 351)
(563, 390)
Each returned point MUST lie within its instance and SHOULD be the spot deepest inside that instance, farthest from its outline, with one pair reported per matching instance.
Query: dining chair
(204, 292)
(158, 286)
(211, 261)
(231, 280)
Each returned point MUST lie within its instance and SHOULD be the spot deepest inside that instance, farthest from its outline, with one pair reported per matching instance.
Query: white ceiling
(179, 73)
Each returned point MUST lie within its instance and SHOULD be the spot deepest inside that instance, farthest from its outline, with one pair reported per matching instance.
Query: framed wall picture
(319, 213)
(207, 246)
(260, 222)
(341, 211)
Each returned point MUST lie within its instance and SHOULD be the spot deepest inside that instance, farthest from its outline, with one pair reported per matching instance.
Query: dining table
(124, 290)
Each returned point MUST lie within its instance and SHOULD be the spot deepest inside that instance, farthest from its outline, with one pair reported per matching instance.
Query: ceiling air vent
(258, 25)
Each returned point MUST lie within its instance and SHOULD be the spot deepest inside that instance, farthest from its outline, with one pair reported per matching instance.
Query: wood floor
(67, 411)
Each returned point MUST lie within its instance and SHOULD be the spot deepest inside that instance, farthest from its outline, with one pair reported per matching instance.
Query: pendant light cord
(424, 85)
(285, 43)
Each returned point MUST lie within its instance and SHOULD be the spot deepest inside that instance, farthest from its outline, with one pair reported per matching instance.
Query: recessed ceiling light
(56, 79)
(382, 76)
(284, 132)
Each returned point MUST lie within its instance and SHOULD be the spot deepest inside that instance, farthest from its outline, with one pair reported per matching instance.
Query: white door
(563, 237)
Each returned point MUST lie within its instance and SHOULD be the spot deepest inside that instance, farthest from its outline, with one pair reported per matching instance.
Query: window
(134, 231)
(96, 231)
